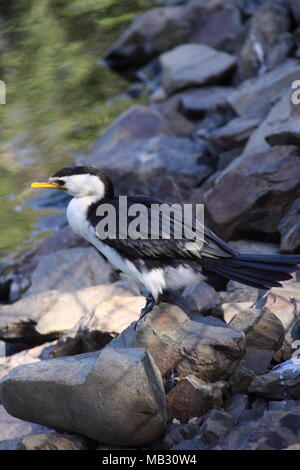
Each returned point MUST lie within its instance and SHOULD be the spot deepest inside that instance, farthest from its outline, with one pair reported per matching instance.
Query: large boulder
(206, 348)
(114, 397)
(191, 65)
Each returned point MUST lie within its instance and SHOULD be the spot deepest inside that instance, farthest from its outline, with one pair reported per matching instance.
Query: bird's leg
(150, 302)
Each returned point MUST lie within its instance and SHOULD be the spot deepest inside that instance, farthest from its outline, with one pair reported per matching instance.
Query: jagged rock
(268, 42)
(215, 24)
(206, 348)
(193, 65)
(272, 175)
(175, 433)
(241, 380)
(202, 298)
(256, 96)
(235, 133)
(114, 397)
(193, 397)
(215, 426)
(46, 316)
(282, 383)
(194, 103)
(70, 270)
(289, 228)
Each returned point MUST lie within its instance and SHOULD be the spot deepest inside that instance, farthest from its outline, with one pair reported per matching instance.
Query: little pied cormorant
(160, 264)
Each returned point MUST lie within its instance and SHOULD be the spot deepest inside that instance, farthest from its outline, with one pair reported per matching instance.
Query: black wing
(167, 247)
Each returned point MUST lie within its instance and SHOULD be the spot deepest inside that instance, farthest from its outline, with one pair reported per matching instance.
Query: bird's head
(80, 181)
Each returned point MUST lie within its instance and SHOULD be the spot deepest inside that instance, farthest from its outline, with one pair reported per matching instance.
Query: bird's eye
(60, 182)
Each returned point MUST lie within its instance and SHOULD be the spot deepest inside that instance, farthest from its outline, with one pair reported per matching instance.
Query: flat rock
(79, 394)
(70, 270)
(46, 316)
(282, 383)
(206, 348)
(193, 65)
(193, 397)
(194, 103)
(289, 228)
(94, 330)
(235, 133)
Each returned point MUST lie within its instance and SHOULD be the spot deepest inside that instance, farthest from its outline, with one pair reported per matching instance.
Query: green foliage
(58, 95)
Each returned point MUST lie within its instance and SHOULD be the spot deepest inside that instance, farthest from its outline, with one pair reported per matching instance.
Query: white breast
(153, 280)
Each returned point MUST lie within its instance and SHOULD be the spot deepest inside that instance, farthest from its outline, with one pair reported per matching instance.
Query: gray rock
(178, 124)
(282, 383)
(235, 133)
(139, 156)
(272, 175)
(46, 316)
(236, 405)
(289, 228)
(206, 348)
(256, 96)
(194, 103)
(161, 29)
(193, 65)
(70, 270)
(193, 397)
(114, 397)
(265, 47)
(216, 425)
(175, 433)
(202, 297)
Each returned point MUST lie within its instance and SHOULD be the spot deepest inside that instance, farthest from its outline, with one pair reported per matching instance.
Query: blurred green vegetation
(59, 96)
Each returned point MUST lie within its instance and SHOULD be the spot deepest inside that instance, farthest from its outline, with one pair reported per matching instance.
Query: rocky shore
(218, 367)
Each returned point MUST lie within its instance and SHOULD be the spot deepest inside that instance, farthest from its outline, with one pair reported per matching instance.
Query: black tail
(260, 271)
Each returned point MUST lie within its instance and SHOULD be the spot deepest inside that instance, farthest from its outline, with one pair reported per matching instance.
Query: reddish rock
(193, 397)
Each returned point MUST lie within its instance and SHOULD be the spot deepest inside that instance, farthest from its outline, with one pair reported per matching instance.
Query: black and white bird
(163, 263)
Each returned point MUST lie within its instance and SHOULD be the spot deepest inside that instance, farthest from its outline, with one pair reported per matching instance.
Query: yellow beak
(48, 185)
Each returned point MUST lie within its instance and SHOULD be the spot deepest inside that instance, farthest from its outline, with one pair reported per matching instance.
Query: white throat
(77, 214)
